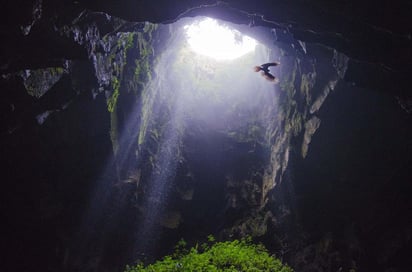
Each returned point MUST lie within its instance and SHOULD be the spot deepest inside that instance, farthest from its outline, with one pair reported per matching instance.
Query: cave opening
(199, 140)
(210, 38)
(118, 138)
(206, 117)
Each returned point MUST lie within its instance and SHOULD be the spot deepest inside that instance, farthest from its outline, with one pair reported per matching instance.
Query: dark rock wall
(48, 173)
(351, 192)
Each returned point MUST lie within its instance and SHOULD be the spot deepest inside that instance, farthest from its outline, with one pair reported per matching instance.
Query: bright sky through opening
(209, 38)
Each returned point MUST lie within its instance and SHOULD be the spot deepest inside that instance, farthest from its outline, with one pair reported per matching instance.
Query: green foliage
(57, 71)
(112, 100)
(237, 255)
(125, 41)
(129, 64)
(129, 40)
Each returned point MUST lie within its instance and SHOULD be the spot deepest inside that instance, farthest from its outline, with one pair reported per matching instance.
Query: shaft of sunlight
(209, 38)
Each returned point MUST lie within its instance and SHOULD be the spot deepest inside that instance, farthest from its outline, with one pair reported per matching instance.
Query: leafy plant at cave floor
(236, 255)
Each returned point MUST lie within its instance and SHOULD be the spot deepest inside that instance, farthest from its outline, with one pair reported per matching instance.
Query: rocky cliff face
(89, 135)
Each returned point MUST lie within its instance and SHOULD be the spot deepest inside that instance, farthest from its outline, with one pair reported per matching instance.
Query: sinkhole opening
(210, 38)
(205, 75)
(204, 110)
(203, 119)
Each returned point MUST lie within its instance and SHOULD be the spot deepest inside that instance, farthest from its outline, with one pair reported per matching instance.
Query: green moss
(237, 255)
(125, 42)
(56, 71)
(129, 40)
(129, 75)
(112, 100)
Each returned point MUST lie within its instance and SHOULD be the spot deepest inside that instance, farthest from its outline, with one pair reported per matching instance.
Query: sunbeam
(192, 90)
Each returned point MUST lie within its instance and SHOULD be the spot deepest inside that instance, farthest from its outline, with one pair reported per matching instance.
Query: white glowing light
(209, 38)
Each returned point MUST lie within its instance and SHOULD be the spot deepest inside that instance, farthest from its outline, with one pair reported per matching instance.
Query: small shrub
(234, 256)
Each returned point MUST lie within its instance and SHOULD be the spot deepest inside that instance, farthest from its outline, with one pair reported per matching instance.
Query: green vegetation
(127, 62)
(112, 100)
(221, 256)
(117, 62)
(111, 107)
(126, 41)
(57, 71)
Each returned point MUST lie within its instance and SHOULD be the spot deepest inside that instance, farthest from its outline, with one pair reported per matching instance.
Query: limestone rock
(38, 82)
(310, 128)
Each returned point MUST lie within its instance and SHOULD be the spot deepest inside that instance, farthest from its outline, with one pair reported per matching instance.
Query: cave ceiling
(376, 37)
